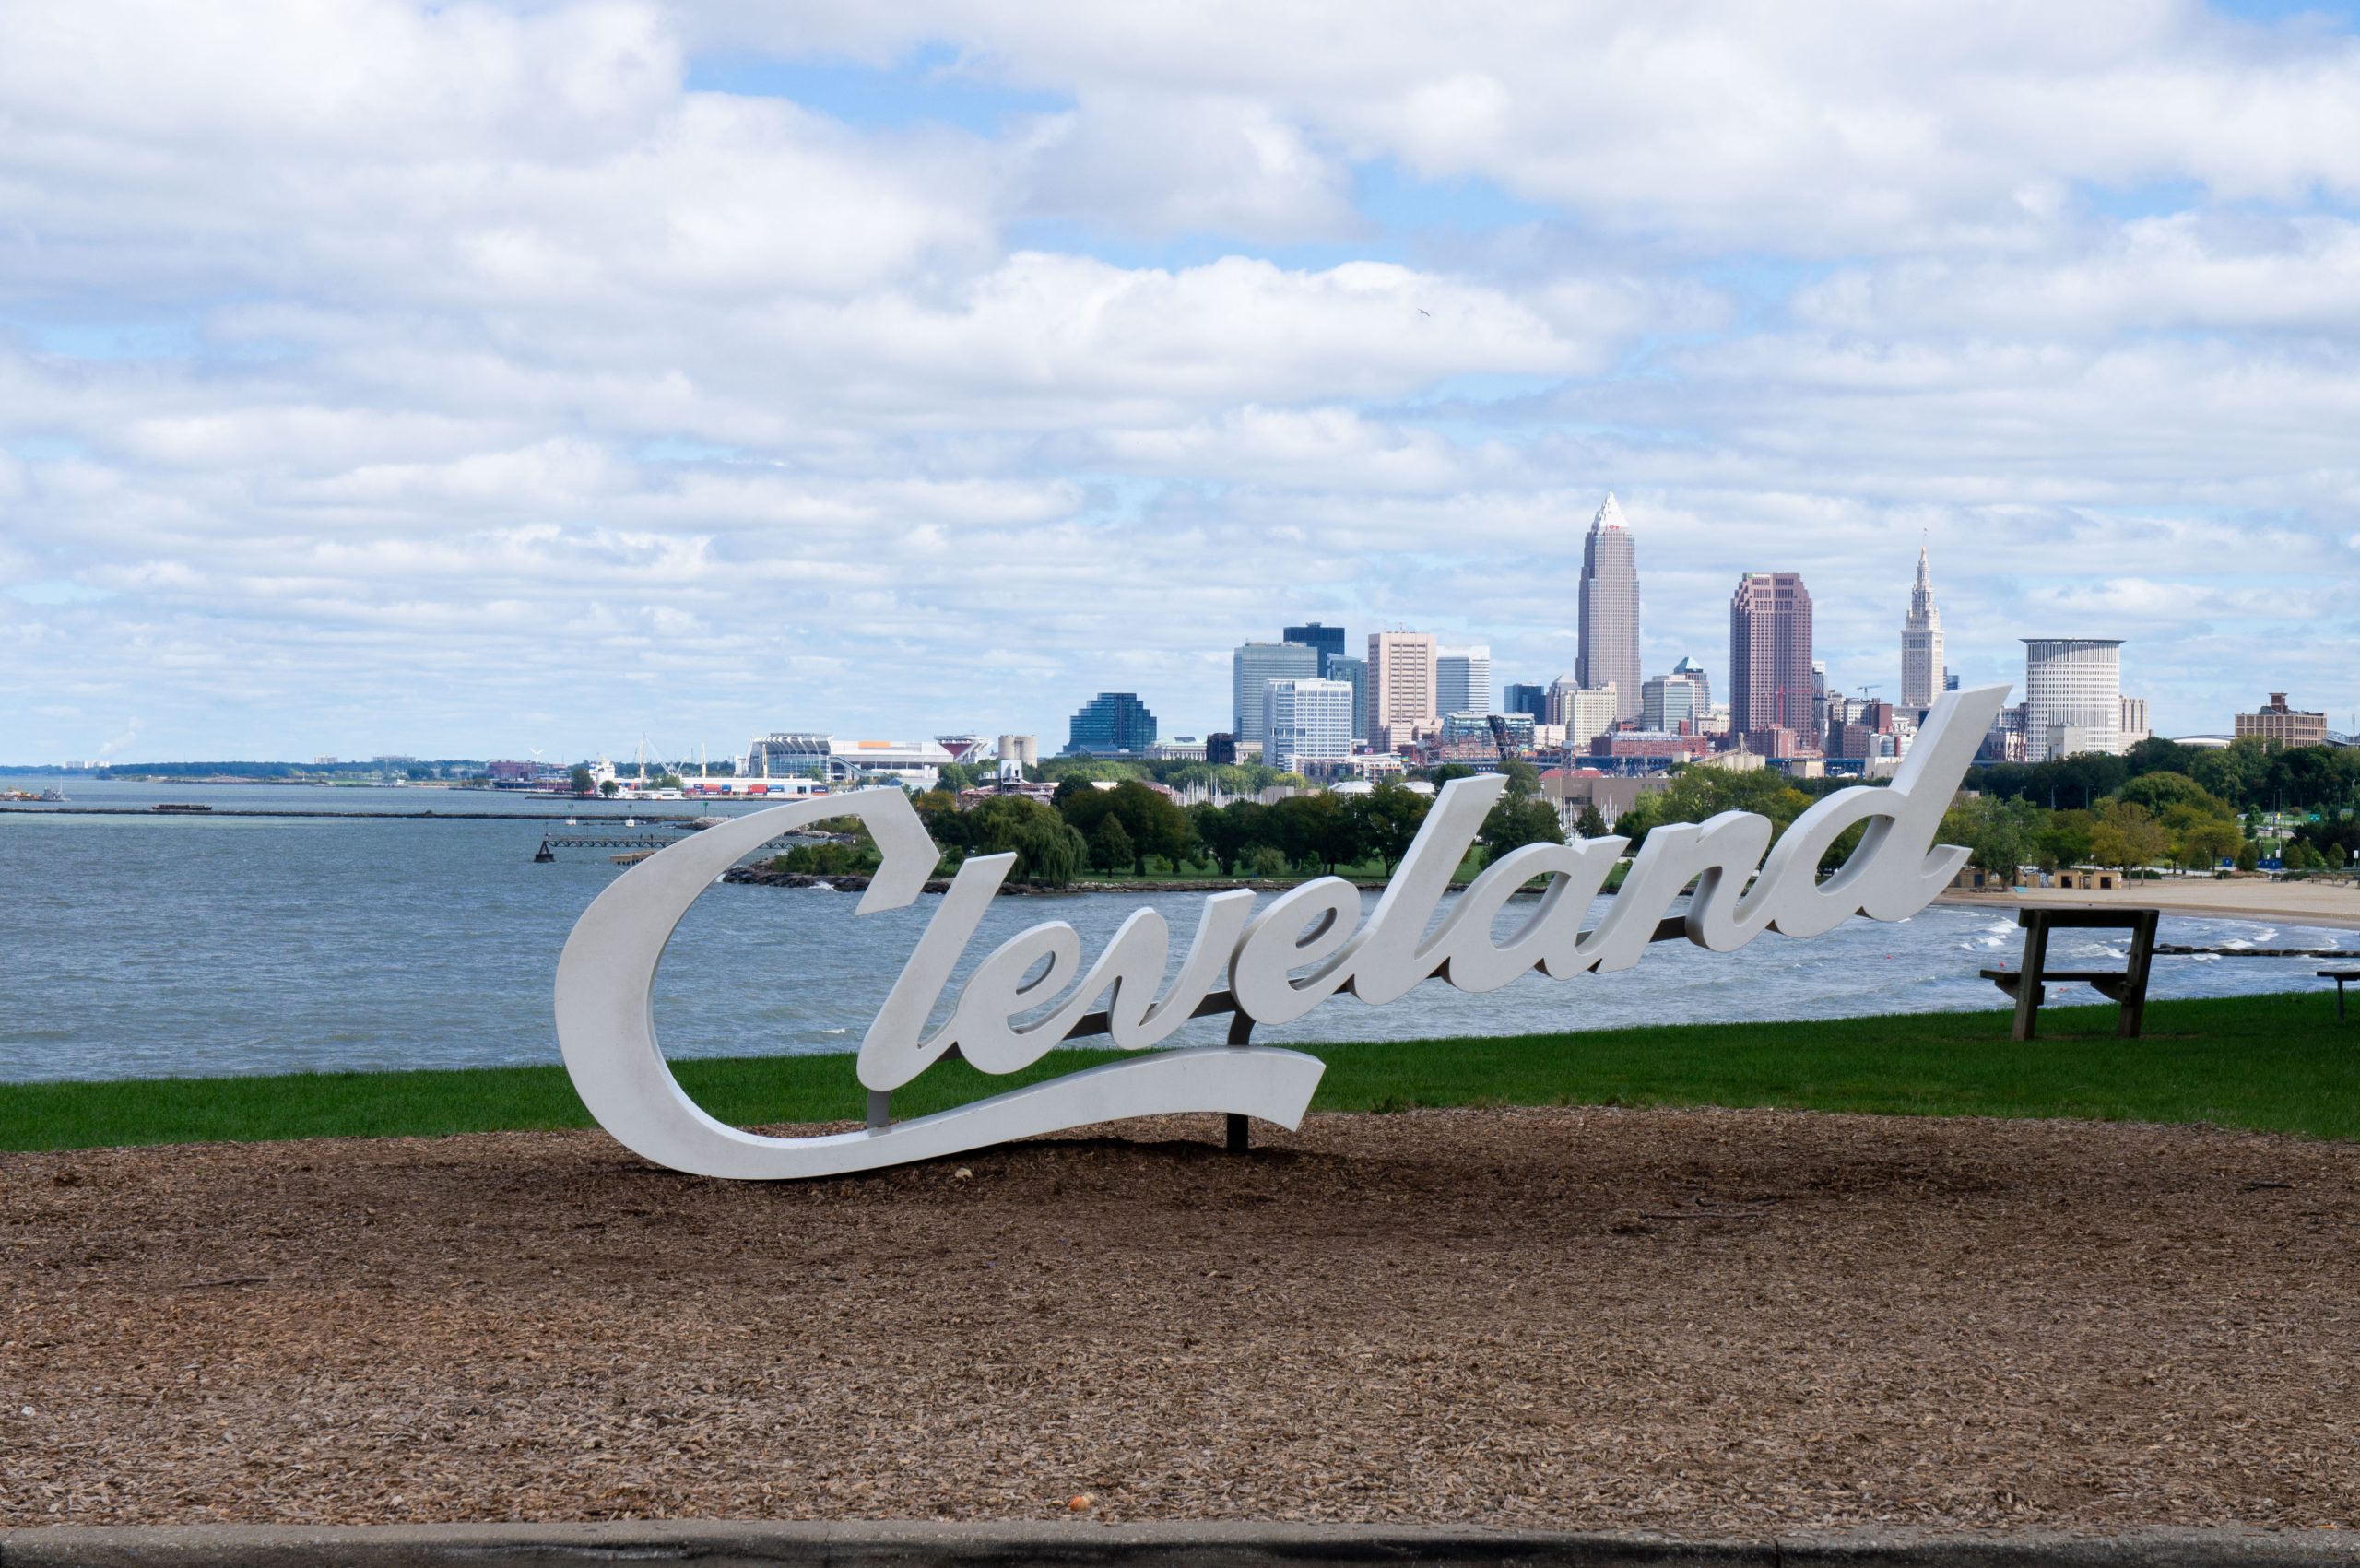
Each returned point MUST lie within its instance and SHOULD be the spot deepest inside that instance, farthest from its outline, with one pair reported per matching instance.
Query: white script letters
(1307, 946)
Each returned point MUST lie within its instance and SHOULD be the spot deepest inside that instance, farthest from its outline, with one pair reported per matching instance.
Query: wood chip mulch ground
(1707, 1323)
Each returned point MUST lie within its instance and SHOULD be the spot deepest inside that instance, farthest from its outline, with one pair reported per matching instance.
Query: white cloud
(1807, 129)
(2185, 272)
(448, 364)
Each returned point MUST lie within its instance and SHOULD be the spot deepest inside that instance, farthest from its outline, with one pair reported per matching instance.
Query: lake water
(145, 946)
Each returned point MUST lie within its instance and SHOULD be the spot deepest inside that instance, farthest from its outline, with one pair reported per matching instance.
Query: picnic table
(2127, 986)
(2338, 976)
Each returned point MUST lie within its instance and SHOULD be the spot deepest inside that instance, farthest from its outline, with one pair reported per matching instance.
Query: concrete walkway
(726, 1545)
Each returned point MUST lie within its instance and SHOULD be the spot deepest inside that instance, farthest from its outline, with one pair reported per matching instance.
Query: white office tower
(2072, 696)
(1463, 681)
(1401, 688)
(1922, 643)
(1306, 721)
(1255, 665)
(1609, 650)
(1585, 714)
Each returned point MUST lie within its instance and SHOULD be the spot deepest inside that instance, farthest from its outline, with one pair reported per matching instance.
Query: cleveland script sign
(1302, 948)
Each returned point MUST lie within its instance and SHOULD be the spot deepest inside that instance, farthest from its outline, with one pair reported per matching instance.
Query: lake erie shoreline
(2245, 898)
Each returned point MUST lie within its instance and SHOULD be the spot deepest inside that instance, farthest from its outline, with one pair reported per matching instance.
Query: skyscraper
(1668, 701)
(1354, 672)
(1609, 650)
(1328, 639)
(1401, 686)
(1306, 721)
(1586, 713)
(1688, 669)
(1254, 665)
(1111, 722)
(1462, 680)
(1770, 675)
(1524, 698)
(1922, 643)
(2072, 696)
(1328, 643)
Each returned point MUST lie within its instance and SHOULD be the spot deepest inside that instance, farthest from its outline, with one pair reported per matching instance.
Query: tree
(2156, 755)
(1511, 823)
(1390, 815)
(2236, 772)
(2330, 836)
(1228, 831)
(952, 831)
(2128, 837)
(1590, 824)
(1317, 827)
(1151, 819)
(827, 858)
(609, 787)
(1265, 861)
(1049, 852)
(2204, 841)
(2249, 856)
(579, 779)
(2064, 839)
(2160, 792)
(1047, 849)
(1524, 779)
(1696, 794)
(2003, 834)
(2305, 776)
(1110, 847)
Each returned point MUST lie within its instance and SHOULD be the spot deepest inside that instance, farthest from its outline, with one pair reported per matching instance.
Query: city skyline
(1311, 649)
(635, 367)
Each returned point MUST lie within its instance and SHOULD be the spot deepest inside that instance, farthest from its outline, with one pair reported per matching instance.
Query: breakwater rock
(763, 876)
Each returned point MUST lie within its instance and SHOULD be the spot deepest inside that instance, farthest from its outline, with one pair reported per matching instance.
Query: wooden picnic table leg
(2035, 960)
(2133, 1010)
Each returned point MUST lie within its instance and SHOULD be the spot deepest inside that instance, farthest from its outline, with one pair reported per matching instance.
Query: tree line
(1135, 829)
(2133, 814)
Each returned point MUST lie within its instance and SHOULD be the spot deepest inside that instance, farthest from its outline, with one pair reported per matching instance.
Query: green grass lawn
(2280, 1063)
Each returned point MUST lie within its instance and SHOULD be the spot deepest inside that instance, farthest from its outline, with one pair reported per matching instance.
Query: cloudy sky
(459, 380)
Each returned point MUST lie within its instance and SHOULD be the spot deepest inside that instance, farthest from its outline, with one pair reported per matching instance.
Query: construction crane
(1499, 736)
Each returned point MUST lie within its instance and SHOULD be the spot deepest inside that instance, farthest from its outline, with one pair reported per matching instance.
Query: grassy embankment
(2280, 1063)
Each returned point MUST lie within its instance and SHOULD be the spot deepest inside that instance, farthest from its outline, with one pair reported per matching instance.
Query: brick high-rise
(1770, 654)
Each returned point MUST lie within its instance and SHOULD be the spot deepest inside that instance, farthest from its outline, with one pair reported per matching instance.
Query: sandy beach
(2244, 898)
(1699, 1322)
